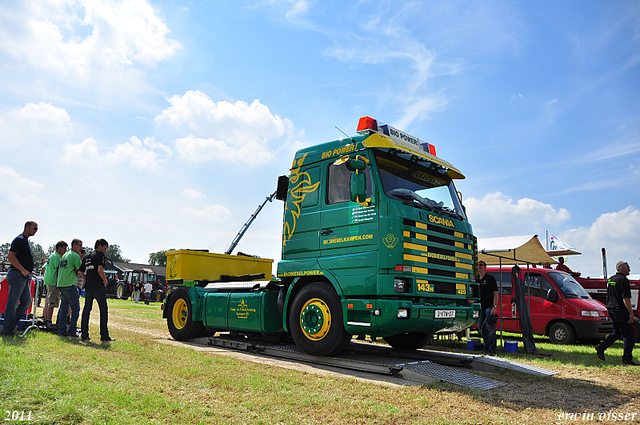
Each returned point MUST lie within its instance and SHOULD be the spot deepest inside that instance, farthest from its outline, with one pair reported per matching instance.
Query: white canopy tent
(513, 250)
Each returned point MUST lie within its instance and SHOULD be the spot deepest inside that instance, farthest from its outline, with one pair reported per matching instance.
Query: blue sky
(163, 124)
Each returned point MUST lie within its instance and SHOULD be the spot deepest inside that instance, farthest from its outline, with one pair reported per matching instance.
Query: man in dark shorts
(19, 299)
(620, 313)
(95, 288)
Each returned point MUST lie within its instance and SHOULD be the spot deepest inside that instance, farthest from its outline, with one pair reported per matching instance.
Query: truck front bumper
(390, 317)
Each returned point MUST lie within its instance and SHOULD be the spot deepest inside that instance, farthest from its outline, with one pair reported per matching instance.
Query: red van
(559, 307)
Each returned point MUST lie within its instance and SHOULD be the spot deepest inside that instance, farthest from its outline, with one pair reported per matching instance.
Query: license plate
(445, 314)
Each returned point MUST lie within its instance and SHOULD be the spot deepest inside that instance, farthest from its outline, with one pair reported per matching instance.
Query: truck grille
(455, 261)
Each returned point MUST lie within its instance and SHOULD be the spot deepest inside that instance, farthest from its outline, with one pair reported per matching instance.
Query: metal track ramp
(423, 371)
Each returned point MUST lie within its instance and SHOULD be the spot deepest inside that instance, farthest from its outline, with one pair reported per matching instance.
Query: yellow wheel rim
(180, 313)
(315, 319)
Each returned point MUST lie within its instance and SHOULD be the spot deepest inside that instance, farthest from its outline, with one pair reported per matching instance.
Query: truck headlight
(476, 314)
(400, 285)
(589, 313)
(403, 313)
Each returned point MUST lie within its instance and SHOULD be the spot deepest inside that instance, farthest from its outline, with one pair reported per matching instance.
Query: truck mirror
(358, 187)
(283, 187)
(552, 295)
(356, 164)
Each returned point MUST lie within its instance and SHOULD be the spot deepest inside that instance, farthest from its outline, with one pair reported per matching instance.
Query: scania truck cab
(375, 241)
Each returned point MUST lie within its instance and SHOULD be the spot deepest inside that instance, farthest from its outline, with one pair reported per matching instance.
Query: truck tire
(122, 291)
(179, 313)
(561, 333)
(316, 321)
(408, 341)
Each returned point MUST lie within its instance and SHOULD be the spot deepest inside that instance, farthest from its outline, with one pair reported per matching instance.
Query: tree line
(40, 257)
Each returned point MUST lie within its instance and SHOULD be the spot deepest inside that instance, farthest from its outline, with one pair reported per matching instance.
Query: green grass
(137, 380)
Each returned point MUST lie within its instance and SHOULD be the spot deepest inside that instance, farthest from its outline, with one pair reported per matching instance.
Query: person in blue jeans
(19, 299)
(67, 280)
(489, 298)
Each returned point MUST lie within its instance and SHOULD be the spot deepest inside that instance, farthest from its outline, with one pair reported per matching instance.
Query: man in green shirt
(67, 280)
(51, 280)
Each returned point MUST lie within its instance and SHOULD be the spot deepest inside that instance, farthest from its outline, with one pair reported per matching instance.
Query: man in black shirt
(621, 314)
(19, 299)
(95, 288)
(489, 298)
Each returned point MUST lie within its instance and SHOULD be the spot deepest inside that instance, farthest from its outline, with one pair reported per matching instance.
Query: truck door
(302, 214)
(348, 230)
(541, 310)
(510, 322)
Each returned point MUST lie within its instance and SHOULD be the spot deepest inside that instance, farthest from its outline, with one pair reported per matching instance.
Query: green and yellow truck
(375, 240)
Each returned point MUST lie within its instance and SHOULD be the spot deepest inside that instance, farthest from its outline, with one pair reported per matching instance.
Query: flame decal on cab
(300, 185)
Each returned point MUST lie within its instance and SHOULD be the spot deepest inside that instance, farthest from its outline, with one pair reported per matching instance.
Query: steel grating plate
(450, 375)
(517, 366)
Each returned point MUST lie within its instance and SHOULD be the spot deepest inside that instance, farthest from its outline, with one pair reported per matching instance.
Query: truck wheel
(181, 326)
(562, 333)
(122, 292)
(316, 321)
(408, 341)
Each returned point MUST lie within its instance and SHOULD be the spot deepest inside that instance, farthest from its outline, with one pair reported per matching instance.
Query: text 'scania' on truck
(375, 241)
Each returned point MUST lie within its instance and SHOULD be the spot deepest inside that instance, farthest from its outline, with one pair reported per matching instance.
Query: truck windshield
(568, 285)
(418, 182)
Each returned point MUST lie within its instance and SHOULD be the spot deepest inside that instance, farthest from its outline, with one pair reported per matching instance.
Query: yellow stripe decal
(421, 270)
(462, 255)
(464, 266)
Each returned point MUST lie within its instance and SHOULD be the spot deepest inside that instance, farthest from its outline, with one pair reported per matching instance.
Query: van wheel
(408, 341)
(636, 328)
(316, 321)
(562, 333)
(179, 312)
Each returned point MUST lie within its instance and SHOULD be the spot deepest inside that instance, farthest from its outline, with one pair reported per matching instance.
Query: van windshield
(417, 182)
(568, 285)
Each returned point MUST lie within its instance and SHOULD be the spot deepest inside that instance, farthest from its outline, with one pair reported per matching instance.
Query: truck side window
(338, 184)
(306, 188)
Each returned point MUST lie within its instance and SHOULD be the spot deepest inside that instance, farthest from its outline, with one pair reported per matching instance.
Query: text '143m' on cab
(375, 241)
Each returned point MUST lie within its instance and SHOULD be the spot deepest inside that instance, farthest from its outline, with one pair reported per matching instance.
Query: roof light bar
(368, 125)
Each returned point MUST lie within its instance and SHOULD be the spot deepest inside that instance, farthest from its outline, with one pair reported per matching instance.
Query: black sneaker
(629, 361)
(107, 339)
(86, 338)
(600, 352)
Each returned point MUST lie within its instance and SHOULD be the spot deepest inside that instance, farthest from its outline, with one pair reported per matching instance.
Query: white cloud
(20, 124)
(217, 213)
(193, 194)
(76, 38)
(17, 189)
(236, 132)
(497, 215)
(617, 232)
(142, 155)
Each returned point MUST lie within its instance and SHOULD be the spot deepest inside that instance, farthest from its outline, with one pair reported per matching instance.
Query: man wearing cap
(489, 298)
(619, 307)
